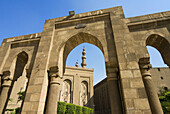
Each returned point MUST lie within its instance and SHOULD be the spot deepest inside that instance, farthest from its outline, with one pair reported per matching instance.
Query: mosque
(34, 65)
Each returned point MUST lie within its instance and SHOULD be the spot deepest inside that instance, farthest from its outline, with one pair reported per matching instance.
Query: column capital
(54, 75)
(112, 73)
(53, 71)
(6, 79)
(145, 66)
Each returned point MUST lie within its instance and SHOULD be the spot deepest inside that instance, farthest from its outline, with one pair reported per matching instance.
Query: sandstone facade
(123, 42)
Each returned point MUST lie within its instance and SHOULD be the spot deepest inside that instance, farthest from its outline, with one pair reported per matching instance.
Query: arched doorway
(57, 71)
(99, 100)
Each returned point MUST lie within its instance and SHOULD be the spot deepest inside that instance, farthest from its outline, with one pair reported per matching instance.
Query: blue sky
(20, 17)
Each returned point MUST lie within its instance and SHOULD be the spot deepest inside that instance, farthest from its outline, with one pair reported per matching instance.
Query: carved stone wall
(83, 93)
(66, 91)
(77, 86)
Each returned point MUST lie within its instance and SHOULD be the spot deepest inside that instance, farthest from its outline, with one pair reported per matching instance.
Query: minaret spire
(77, 64)
(83, 64)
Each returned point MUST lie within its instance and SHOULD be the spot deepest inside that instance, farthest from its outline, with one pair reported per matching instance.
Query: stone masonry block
(142, 93)
(147, 112)
(122, 66)
(38, 80)
(35, 97)
(34, 106)
(27, 97)
(137, 73)
(26, 106)
(126, 74)
(129, 104)
(131, 57)
(130, 93)
(132, 65)
(41, 107)
(126, 83)
(134, 112)
(34, 89)
(136, 83)
(24, 112)
(122, 58)
(141, 104)
(31, 112)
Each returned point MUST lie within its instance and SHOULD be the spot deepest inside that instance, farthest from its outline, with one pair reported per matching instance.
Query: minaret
(77, 64)
(83, 64)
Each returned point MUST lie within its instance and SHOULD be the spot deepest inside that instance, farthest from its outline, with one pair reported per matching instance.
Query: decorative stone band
(54, 75)
(112, 73)
(6, 79)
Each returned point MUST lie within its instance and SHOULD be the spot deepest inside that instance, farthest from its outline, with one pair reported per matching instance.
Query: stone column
(149, 86)
(114, 93)
(5, 90)
(54, 91)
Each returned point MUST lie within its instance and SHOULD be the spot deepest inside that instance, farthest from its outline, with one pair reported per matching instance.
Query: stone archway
(111, 70)
(80, 38)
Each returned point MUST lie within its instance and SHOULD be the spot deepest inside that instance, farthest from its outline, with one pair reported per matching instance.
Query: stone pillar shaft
(5, 90)
(54, 91)
(150, 89)
(114, 93)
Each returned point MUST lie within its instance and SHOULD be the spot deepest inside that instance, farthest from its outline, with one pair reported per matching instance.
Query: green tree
(165, 102)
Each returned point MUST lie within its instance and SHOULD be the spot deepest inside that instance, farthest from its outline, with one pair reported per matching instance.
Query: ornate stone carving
(54, 75)
(145, 66)
(6, 78)
(66, 91)
(83, 94)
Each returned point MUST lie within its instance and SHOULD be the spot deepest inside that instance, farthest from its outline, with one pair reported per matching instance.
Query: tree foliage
(164, 98)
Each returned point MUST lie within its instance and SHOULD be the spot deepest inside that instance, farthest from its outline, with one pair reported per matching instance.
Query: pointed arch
(80, 38)
(19, 80)
(161, 44)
